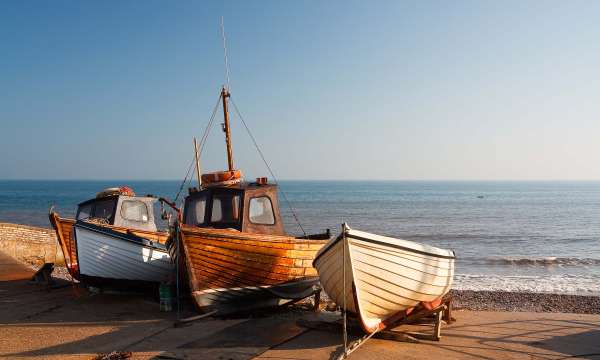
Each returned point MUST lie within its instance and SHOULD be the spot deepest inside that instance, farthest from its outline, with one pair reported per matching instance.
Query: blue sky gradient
(331, 90)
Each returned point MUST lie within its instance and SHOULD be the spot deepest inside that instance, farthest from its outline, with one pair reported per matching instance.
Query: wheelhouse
(247, 207)
(134, 212)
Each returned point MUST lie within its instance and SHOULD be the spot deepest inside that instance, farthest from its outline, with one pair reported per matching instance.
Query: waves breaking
(557, 284)
(533, 261)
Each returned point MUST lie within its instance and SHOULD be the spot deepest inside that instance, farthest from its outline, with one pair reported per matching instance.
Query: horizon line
(308, 179)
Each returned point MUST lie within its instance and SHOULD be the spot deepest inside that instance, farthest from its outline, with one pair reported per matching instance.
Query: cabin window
(261, 211)
(104, 209)
(134, 210)
(84, 211)
(225, 208)
(195, 211)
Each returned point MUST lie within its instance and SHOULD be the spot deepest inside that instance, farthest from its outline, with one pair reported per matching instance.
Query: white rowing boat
(384, 276)
(107, 254)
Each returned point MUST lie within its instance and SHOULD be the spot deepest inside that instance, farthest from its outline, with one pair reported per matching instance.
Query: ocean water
(519, 236)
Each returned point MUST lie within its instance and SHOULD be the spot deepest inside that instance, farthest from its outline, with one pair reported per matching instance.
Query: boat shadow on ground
(543, 338)
(38, 322)
(57, 323)
(519, 339)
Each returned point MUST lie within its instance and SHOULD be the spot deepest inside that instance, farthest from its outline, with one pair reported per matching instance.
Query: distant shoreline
(335, 180)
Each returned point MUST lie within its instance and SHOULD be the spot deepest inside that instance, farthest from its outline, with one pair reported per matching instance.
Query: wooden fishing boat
(114, 237)
(64, 235)
(384, 277)
(237, 254)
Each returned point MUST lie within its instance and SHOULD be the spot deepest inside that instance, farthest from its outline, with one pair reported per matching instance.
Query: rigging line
(225, 51)
(202, 142)
(184, 181)
(209, 126)
(267, 164)
(344, 289)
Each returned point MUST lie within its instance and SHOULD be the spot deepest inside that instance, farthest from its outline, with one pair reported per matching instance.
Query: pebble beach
(525, 302)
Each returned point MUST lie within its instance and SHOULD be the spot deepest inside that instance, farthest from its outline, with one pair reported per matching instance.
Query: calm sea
(529, 236)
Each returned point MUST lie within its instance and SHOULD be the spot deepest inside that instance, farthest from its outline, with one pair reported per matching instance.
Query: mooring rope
(267, 165)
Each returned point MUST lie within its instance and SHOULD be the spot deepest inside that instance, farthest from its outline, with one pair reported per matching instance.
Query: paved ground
(65, 324)
(476, 335)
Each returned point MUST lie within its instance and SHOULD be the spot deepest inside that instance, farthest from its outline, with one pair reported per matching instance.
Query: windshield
(195, 211)
(225, 208)
(99, 209)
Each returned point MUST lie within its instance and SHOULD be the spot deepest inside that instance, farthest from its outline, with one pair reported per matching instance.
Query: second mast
(226, 129)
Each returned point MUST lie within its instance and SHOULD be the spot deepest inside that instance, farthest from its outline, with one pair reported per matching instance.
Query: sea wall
(30, 244)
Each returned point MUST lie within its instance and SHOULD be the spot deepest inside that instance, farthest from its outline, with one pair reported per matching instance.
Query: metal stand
(433, 317)
(421, 316)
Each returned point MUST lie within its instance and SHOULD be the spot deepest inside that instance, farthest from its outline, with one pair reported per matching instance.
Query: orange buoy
(126, 190)
(221, 178)
(123, 190)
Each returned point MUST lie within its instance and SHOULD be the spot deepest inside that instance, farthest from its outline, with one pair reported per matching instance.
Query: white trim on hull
(384, 276)
(104, 256)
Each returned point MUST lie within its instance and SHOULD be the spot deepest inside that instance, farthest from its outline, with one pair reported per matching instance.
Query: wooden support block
(437, 327)
(432, 317)
(448, 313)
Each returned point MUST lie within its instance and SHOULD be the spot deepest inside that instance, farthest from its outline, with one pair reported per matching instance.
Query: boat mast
(224, 95)
(226, 129)
(197, 163)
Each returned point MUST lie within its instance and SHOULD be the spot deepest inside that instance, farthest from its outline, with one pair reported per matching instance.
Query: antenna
(225, 52)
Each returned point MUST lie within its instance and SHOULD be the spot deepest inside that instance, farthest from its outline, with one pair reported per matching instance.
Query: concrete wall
(30, 244)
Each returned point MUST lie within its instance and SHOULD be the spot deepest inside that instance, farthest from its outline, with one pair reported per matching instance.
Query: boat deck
(56, 324)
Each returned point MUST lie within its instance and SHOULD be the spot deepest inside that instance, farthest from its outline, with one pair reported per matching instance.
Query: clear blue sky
(332, 90)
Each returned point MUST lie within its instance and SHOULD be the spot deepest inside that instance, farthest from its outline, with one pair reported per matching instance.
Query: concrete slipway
(68, 324)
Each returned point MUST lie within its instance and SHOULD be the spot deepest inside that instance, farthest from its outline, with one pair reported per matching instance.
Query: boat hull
(107, 254)
(64, 236)
(231, 271)
(384, 277)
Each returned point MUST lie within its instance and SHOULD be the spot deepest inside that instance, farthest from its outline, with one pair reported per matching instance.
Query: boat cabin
(247, 207)
(133, 212)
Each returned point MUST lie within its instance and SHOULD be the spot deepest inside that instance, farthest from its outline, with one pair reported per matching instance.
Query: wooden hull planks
(384, 276)
(64, 236)
(233, 270)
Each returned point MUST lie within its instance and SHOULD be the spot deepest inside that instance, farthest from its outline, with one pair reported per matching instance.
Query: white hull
(106, 256)
(384, 276)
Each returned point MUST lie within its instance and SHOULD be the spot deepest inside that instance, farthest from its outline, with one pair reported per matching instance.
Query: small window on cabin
(84, 212)
(134, 210)
(261, 211)
(195, 211)
(225, 208)
(104, 209)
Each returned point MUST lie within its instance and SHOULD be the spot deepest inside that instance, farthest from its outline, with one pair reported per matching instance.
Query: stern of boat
(64, 235)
